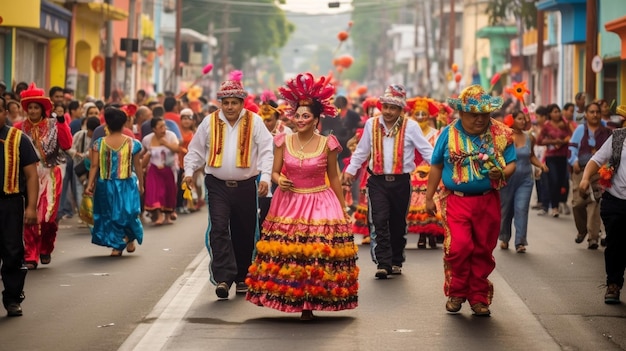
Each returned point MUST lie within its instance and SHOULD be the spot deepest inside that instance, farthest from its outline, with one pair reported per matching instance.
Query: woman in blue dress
(115, 188)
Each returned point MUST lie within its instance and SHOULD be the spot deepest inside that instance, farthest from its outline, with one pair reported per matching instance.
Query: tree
(500, 11)
(263, 27)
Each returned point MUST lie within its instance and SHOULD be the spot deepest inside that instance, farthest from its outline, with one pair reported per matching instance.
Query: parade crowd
(289, 177)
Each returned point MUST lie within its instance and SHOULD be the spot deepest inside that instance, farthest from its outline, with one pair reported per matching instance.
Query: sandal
(160, 219)
(130, 246)
(116, 253)
(173, 216)
(30, 265)
(45, 259)
(481, 310)
(421, 243)
(520, 249)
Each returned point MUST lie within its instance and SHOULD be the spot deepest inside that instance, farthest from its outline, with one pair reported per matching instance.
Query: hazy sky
(315, 6)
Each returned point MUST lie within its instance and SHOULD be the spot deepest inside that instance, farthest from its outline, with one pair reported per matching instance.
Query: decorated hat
(421, 104)
(304, 89)
(129, 109)
(34, 94)
(475, 99)
(394, 95)
(232, 88)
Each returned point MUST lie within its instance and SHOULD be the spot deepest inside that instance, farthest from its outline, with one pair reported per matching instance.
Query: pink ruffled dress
(306, 256)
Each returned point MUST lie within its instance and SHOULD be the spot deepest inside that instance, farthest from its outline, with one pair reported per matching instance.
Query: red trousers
(472, 225)
(39, 239)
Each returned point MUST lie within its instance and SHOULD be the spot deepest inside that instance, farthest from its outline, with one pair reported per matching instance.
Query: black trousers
(264, 207)
(12, 249)
(613, 213)
(388, 205)
(233, 227)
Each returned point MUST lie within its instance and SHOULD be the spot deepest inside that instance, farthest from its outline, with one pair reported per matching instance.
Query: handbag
(80, 169)
(85, 212)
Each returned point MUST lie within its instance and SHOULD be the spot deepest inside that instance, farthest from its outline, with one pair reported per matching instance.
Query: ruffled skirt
(418, 220)
(306, 257)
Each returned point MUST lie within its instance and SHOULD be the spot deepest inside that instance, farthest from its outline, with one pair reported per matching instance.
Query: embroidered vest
(398, 148)
(216, 140)
(12, 161)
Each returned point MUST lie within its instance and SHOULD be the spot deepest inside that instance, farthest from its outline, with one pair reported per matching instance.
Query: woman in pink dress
(306, 257)
(162, 169)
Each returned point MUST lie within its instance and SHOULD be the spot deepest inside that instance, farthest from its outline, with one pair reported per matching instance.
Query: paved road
(158, 299)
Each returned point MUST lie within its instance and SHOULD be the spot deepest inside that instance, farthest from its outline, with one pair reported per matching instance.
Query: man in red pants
(473, 156)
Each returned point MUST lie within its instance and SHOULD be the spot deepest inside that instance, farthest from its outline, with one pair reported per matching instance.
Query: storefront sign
(53, 23)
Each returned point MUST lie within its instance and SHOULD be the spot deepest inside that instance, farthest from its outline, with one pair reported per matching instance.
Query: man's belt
(462, 194)
(233, 183)
(388, 177)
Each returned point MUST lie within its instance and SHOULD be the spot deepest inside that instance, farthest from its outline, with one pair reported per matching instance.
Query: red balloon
(458, 77)
(455, 67)
(345, 61)
(361, 90)
(342, 36)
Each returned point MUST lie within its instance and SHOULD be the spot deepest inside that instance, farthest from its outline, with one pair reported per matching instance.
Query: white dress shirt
(262, 154)
(618, 186)
(413, 140)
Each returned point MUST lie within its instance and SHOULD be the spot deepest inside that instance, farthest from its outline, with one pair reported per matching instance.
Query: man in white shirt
(234, 146)
(389, 141)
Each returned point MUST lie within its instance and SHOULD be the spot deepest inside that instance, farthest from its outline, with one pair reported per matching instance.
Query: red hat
(34, 94)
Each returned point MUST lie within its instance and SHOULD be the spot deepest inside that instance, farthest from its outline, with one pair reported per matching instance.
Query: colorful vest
(216, 140)
(471, 161)
(378, 133)
(12, 161)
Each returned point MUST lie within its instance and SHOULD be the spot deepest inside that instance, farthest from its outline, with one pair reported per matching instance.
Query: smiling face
(231, 107)
(35, 112)
(391, 113)
(304, 120)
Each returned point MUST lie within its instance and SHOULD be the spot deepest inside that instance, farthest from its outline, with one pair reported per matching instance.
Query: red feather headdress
(303, 90)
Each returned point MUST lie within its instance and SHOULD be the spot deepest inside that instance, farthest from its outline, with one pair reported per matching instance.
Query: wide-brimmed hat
(395, 94)
(475, 99)
(36, 95)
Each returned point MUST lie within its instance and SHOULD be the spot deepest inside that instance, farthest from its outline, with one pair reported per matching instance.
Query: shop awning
(573, 18)
(618, 26)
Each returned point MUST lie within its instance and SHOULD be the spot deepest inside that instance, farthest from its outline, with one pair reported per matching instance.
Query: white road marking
(166, 316)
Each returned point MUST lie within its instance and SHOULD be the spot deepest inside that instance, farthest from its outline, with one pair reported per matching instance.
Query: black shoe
(241, 288)
(381, 273)
(432, 242)
(14, 309)
(593, 245)
(222, 290)
(45, 259)
(579, 238)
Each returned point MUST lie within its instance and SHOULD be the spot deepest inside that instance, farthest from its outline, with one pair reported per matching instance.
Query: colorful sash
(471, 160)
(378, 133)
(216, 140)
(12, 161)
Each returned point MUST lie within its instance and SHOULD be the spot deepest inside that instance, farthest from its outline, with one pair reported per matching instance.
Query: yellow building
(33, 34)
(88, 22)
(474, 49)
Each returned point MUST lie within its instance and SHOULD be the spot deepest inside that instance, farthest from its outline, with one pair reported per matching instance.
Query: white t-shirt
(618, 186)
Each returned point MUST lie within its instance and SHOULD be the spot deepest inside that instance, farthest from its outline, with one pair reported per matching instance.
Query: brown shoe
(504, 245)
(481, 310)
(612, 294)
(366, 240)
(454, 304)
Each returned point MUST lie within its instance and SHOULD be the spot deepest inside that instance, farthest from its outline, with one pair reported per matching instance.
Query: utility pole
(539, 58)
(452, 33)
(591, 48)
(225, 40)
(426, 40)
(108, 60)
(130, 36)
(178, 45)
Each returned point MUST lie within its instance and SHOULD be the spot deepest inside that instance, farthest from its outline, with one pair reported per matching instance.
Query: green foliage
(501, 11)
(263, 28)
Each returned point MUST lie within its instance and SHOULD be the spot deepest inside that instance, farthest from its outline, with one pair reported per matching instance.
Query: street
(159, 298)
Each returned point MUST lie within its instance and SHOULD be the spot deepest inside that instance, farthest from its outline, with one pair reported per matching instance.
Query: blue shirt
(441, 155)
(76, 125)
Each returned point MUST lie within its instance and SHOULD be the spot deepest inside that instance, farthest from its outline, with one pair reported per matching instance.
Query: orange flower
(518, 90)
